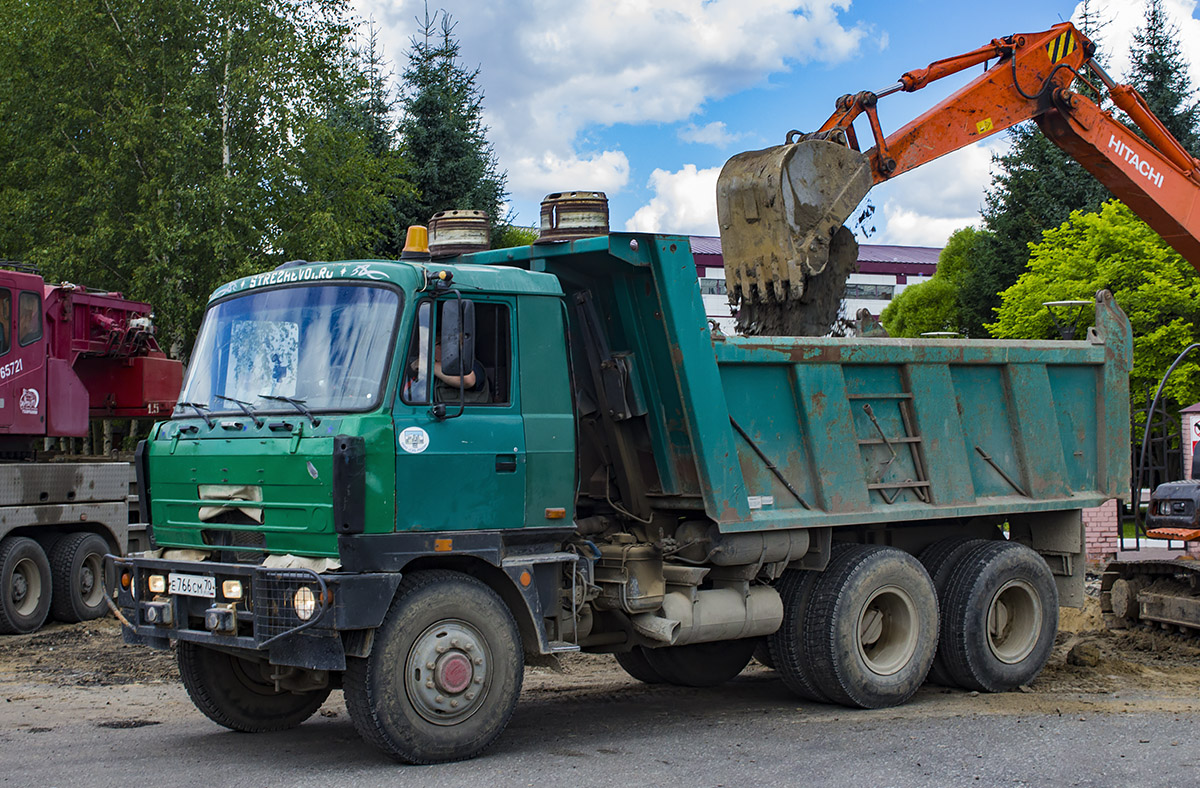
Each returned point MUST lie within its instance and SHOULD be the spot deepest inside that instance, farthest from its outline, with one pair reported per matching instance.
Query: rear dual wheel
(862, 633)
(25, 586)
(999, 617)
(77, 565)
(634, 663)
(940, 559)
(700, 664)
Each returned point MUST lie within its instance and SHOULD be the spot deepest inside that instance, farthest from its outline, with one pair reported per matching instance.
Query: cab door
(467, 469)
(23, 398)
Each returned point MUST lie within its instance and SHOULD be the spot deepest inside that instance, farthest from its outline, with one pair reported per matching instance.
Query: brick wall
(1100, 532)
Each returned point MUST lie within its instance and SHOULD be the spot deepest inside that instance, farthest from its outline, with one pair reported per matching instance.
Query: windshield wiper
(298, 404)
(244, 406)
(200, 408)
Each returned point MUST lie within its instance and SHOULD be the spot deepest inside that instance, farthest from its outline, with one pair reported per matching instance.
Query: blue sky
(646, 100)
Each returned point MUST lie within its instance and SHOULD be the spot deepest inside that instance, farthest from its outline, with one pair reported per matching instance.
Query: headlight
(231, 589)
(304, 603)
(157, 584)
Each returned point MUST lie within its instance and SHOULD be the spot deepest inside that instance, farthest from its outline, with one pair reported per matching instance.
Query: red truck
(68, 355)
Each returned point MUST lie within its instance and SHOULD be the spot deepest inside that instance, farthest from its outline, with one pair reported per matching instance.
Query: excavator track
(1157, 592)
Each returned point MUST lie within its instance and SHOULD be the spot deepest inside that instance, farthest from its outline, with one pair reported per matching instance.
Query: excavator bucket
(787, 254)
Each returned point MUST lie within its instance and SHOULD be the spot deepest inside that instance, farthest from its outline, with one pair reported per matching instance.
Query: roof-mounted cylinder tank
(567, 216)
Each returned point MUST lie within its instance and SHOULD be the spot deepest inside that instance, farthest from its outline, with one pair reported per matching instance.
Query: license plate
(193, 585)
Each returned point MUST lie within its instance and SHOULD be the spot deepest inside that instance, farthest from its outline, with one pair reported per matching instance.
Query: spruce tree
(1159, 73)
(442, 132)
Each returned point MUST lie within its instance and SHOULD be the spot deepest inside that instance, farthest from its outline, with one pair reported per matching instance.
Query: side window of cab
(487, 383)
(29, 317)
(6, 320)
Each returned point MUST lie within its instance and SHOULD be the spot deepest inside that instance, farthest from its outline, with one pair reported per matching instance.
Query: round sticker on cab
(413, 440)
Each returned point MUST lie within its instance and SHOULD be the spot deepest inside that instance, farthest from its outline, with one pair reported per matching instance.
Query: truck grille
(254, 542)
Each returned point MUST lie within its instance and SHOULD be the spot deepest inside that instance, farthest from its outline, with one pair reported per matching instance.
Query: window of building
(876, 292)
(712, 286)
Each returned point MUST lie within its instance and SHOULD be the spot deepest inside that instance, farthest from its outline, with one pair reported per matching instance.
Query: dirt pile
(90, 654)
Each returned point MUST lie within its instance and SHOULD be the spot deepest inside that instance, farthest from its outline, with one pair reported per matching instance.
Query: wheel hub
(887, 630)
(1014, 621)
(20, 587)
(26, 587)
(453, 673)
(448, 672)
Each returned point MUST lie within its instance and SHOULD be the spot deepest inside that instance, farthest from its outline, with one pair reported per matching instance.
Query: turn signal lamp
(231, 589)
(157, 584)
(416, 244)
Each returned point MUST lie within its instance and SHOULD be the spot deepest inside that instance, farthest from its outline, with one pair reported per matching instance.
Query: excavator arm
(781, 211)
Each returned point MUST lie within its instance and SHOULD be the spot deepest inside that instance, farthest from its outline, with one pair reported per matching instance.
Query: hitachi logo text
(1135, 161)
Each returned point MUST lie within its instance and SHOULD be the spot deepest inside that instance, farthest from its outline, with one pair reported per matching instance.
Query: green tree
(934, 305)
(1159, 72)
(1114, 250)
(442, 131)
(159, 147)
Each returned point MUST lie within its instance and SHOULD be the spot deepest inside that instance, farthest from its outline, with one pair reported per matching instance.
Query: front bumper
(264, 620)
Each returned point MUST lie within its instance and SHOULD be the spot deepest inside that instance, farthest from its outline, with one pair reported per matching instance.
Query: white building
(883, 272)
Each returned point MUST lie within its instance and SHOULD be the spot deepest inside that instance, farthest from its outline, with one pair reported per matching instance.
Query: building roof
(872, 258)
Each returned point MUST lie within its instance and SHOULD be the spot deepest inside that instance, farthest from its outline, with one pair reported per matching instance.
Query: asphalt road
(748, 733)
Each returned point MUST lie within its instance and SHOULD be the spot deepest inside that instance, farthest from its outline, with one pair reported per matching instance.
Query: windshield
(325, 346)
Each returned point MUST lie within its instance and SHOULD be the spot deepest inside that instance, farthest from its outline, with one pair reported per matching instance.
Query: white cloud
(924, 206)
(607, 171)
(909, 228)
(684, 202)
(713, 133)
(551, 70)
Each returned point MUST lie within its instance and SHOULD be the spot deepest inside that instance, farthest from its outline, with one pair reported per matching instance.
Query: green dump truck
(405, 479)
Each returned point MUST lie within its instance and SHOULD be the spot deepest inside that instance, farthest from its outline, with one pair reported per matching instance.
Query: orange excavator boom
(781, 210)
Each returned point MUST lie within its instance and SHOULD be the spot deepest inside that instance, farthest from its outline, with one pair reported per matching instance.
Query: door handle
(506, 463)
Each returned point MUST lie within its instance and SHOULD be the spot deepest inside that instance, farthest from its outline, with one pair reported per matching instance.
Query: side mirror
(458, 336)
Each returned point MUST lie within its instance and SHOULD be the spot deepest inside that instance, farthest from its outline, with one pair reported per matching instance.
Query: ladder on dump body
(890, 491)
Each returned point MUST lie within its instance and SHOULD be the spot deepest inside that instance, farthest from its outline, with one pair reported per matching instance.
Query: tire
(25, 586)
(762, 653)
(872, 627)
(787, 643)
(634, 663)
(701, 664)
(235, 693)
(1000, 618)
(939, 560)
(444, 674)
(77, 569)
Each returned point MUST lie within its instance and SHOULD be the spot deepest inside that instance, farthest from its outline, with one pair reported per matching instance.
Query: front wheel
(238, 693)
(444, 674)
